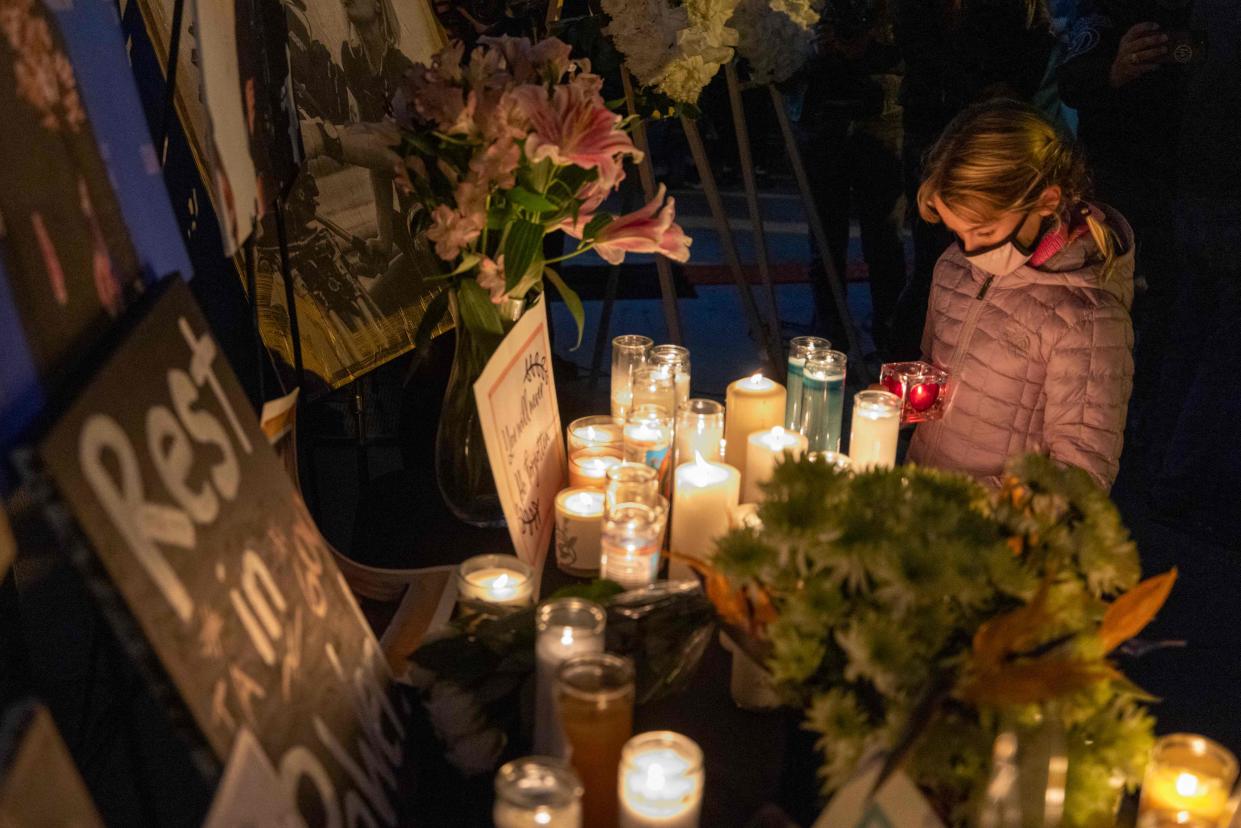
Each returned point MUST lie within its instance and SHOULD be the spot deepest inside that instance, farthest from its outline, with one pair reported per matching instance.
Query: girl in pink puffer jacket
(1030, 310)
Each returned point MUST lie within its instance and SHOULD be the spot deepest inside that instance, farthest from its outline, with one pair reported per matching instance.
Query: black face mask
(1008, 254)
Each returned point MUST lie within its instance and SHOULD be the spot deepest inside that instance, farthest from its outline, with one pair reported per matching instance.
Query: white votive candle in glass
(632, 535)
(1189, 781)
(502, 580)
(876, 424)
(702, 495)
(628, 354)
(599, 431)
(565, 628)
(660, 781)
(700, 430)
(589, 467)
(752, 404)
(631, 483)
(654, 385)
(579, 528)
(763, 449)
(537, 792)
(676, 359)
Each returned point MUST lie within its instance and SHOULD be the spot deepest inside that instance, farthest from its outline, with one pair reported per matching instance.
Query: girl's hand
(1140, 51)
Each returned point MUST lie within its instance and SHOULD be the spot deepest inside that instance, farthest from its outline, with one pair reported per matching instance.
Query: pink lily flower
(650, 229)
(491, 277)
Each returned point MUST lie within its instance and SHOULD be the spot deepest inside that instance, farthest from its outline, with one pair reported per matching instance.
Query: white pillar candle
(702, 495)
(661, 781)
(566, 628)
(537, 792)
(503, 580)
(751, 404)
(876, 424)
(763, 449)
(579, 522)
(589, 467)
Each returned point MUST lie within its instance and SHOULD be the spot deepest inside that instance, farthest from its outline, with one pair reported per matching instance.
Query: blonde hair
(998, 157)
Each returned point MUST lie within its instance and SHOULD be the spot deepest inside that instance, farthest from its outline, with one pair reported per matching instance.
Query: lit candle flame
(698, 459)
(589, 433)
(655, 778)
(778, 431)
(756, 378)
(1187, 784)
(566, 637)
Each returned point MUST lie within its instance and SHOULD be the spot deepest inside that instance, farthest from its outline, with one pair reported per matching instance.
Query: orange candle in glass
(589, 467)
(595, 696)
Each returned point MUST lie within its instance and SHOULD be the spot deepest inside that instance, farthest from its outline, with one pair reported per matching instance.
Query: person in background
(956, 52)
(1029, 308)
(853, 119)
(1130, 102)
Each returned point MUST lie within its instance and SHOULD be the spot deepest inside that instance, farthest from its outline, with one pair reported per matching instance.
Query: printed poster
(516, 397)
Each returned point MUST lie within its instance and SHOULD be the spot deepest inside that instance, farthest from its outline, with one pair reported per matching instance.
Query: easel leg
(170, 84)
(667, 287)
(757, 329)
(857, 358)
(751, 191)
(260, 353)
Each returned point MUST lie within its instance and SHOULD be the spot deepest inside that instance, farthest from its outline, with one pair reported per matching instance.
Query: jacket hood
(1078, 264)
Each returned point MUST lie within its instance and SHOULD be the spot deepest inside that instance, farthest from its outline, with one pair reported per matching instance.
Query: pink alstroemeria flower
(491, 277)
(574, 126)
(648, 230)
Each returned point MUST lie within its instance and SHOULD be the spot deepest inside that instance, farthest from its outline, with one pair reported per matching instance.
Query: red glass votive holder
(922, 387)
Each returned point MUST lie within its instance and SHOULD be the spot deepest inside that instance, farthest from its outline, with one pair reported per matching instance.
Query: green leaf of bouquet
(527, 200)
(595, 226)
(572, 301)
(600, 591)
(477, 312)
(523, 251)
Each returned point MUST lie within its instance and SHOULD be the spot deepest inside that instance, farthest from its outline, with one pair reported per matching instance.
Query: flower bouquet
(499, 151)
(911, 612)
(776, 37)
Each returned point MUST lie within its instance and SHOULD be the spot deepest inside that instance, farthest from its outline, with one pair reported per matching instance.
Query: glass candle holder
(799, 348)
(1188, 782)
(579, 530)
(675, 358)
(700, 430)
(922, 388)
(595, 697)
(764, 449)
(565, 628)
(876, 424)
(628, 354)
(654, 385)
(823, 399)
(660, 781)
(588, 468)
(648, 438)
(500, 580)
(631, 483)
(840, 462)
(632, 536)
(599, 431)
(537, 792)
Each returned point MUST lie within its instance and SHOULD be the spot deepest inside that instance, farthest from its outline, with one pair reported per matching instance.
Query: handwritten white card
(898, 804)
(516, 397)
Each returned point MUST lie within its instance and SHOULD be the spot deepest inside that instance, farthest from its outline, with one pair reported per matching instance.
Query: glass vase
(462, 468)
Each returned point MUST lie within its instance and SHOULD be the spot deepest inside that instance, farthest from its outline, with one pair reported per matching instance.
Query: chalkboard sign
(39, 784)
(204, 557)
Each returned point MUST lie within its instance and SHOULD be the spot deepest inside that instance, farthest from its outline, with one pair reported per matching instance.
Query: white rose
(454, 712)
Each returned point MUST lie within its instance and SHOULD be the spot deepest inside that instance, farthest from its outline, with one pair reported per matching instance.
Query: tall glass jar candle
(876, 424)
(799, 348)
(700, 430)
(566, 627)
(823, 399)
(648, 438)
(598, 431)
(537, 792)
(660, 781)
(676, 359)
(628, 354)
(595, 695)
(632, 536)
(654, 385)
(631, 484)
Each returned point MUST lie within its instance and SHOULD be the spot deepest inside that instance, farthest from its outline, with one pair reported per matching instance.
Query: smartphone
(1185, 47)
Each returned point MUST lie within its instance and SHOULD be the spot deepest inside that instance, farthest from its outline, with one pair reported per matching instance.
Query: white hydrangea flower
(776, 37)
(676, 49)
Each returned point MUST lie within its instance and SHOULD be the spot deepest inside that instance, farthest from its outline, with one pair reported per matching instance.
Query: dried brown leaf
(1131, 612)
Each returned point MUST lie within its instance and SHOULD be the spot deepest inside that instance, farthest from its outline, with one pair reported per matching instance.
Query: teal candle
(799, 348)
(823, 400)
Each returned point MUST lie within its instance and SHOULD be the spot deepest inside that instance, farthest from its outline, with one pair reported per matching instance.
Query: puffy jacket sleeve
(1089, 379)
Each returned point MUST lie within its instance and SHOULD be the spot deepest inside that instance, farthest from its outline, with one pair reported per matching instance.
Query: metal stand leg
(758, 330)
(857, 358)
